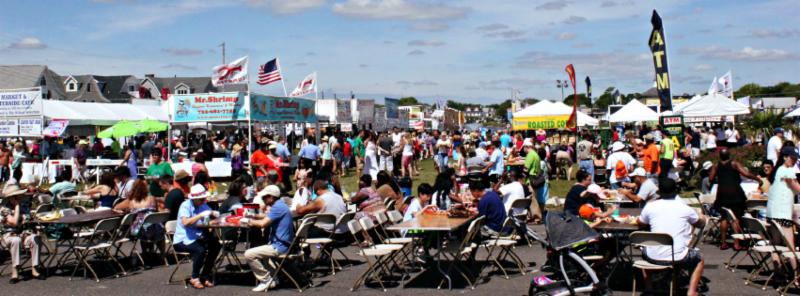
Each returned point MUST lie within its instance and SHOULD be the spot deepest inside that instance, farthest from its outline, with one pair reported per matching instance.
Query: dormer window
(131, 88)
(182, 89)
(88, 87)
(72, 86)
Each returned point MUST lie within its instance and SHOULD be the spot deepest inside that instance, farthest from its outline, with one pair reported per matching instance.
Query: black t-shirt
(574, 201)
(386, 144)
(695, 140)
(173, 202)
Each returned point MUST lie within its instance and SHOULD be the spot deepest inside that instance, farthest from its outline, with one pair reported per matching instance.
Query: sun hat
(596, 189)
(198, 192)
(638, 172)
(707, 165)
(13, 190)
(617, 146)
(181, 174)
(270, 190)
(272, 146)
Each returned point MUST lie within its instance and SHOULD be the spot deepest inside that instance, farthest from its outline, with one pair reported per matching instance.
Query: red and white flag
(307, 86)
(726, 84)
(233, 73)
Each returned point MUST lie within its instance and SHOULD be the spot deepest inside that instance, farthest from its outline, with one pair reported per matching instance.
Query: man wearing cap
(496, 165)
(280, 232)
(584, 154)
(646, 190)
(774, 145)
(11, 219)
(672, 216)
(618, 164)
(174, 187)
(199, 242)
(157, 169)
(650, 157)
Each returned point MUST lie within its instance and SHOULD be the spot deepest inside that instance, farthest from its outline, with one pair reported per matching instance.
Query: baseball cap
(270, 190)
(707, 165)
(596, 189)
(789, 151)
(778, 130)
(586, 211)
(638, 172)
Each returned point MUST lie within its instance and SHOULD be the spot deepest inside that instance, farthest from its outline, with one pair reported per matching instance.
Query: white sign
(366, 111)
(20, 103)
(102, 162)
(346, 127)
(56, 128)
(343, 114)
(30, 126)
(8, 127)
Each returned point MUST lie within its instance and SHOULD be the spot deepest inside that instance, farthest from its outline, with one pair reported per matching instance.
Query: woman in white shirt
(371, 157)
(711, 142)
(408, 155)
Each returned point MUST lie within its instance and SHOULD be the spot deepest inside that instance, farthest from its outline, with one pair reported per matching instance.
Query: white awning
(634, 111)
(82, 113)
(711, 105)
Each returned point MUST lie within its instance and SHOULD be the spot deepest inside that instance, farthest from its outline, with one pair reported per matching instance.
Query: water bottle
(616, 212)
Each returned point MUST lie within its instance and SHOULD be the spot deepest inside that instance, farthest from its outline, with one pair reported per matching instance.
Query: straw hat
(13, 190)
(617, 146)
(181, 174)
(198, 192)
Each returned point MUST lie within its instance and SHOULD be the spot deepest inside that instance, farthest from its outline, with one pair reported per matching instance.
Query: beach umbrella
(120, 130)
(151, 126)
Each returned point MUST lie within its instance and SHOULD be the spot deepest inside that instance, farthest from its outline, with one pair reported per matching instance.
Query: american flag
(269, 72)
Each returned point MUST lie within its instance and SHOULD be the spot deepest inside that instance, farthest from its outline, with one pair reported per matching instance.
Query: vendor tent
(711, 105)
(794, 113)
(82, 113)
(633, 111)
(548, 115)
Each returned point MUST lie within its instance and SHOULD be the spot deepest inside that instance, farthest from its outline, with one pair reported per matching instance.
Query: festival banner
(229, 106)
(30, 126)
(233, 73)
(540, 122)
(658, 46)
(572, 122)
(56, 128)
(9, 127)
(20, 103)
(343, 114)
(366, 111)
(380, 123)
(589, 89)
(391, 107)
(269, 108)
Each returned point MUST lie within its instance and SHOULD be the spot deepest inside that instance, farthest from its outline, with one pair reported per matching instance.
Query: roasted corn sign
(658, 47)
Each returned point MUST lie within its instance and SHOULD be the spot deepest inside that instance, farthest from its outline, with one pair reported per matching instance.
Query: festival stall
(548, 115)
(633, 111)
(711, 105)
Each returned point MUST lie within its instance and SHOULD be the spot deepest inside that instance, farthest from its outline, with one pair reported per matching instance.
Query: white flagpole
(280, 71)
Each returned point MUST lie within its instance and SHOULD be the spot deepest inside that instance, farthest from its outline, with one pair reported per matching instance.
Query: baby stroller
(573, 274)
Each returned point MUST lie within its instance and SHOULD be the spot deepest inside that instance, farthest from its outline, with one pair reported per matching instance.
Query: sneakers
(262, 286)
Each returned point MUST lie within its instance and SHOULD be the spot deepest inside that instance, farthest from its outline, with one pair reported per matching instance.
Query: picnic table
(435, 224)
(618, 230)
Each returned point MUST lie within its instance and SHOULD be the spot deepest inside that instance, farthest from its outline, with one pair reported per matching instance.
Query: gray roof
(95, 88)
(24, 76)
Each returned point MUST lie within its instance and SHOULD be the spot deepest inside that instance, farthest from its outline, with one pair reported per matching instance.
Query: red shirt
(260, 158)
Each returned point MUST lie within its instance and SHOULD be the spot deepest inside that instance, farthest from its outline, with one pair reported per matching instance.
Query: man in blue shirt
(280, 231)
(192, 239)
(505, 140)
(496, 163)
(309, 154)
(490, 206)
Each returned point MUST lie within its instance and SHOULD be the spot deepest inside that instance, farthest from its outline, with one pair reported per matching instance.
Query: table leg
(439, 250)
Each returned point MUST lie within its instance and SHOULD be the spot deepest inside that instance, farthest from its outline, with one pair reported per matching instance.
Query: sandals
(208, 284)
(195, 283)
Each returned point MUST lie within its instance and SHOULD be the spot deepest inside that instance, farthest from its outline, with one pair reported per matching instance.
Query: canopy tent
(794, 113)
(711, 105)
(548, 115)
(82, 113)
(633, 111)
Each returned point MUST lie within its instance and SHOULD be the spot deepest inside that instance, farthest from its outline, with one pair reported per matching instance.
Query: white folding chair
(99, 243)
(645, 239)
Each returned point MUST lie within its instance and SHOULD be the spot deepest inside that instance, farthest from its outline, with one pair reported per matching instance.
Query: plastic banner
(30, 126)
(269, 108)
(366, 111)
(228, 106)
(9, 127)
(56, 128)
(540, 122)
(391, 107)
(20, 103)
(343, 114)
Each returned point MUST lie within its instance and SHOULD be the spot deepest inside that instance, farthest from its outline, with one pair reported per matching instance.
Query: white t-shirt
(773, 147)
(413, 207)
(611, 163)
(300, 199)
(396, 139)
(648, 191)
(712, 141)
(510, 193)
(673, 217)
(732, 136)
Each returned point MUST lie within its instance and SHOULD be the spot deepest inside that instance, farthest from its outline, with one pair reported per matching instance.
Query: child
(420, 203)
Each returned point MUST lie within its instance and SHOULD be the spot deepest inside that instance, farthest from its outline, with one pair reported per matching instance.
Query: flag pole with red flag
(572, 122)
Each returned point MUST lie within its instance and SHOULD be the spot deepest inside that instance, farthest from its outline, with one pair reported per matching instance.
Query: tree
(408, 101)
(456, 105)
(607, 98)
(582, 100)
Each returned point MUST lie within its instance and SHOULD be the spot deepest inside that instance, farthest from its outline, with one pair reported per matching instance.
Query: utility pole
(223, 52)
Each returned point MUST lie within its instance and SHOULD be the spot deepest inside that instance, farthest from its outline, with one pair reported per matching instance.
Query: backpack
(621, 169)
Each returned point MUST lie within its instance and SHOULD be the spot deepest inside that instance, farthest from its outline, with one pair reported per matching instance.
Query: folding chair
(370, 229)
(323, 242)
(788, 257)
(180, 257)
(151, 219)
(393, 239)
(761, 254)
(459, 253)
(295, 252)
(123, 235)
(644, 239)
(99, 243)
(506, 247)
(519, 215)
(744, 237)
(712, 222)
(375, 256)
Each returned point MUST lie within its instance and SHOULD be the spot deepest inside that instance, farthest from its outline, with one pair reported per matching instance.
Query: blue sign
(228, 106)
(391, 107)
(269, 108)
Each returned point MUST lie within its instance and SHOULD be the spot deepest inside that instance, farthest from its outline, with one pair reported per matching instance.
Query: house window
(88, 87)
(71, 86)
(182, 91)
(131, 88)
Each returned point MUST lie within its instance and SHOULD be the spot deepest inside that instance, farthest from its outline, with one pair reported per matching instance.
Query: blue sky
(470, 50)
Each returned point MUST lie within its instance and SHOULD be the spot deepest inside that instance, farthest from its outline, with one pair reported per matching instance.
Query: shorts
(407, 160)
(737, 209)
(494, 178)
(689, 262)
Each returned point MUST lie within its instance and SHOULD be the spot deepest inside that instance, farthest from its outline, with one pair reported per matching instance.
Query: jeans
(5, 173)
(204, 253)
(588, 166)
(665, 165)
(442, 162)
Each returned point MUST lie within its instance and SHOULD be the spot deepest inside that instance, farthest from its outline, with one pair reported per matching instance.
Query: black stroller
(573, 274)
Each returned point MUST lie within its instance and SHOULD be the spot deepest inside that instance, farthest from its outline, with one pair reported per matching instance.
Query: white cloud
(416, 52)
(787, 33)
(182, 51)
(583, 45)
(565, 36)
(431, 43)
(429, 27)
(492, 27)
(703, 67)
(397, 9)
(574, 19)
(180, 67)
(287, 6)
(28, 43)
(145, 16)
(746, 54)
(552, 5)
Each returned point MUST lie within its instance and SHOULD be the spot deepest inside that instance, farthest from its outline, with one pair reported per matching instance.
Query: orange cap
(586, 211)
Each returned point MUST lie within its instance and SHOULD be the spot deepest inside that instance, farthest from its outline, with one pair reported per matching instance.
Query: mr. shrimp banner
(228, 106)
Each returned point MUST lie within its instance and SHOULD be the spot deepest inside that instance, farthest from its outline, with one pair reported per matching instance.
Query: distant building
(100, 89)
(478, 113)
(775, 104)
(28, 76)
(160, 87)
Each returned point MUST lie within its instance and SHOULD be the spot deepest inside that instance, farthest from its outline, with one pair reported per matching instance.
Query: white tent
(82, 113)
(549, 108)
(711, 105)
(633, 111)
(794, 113)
